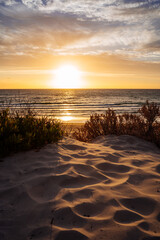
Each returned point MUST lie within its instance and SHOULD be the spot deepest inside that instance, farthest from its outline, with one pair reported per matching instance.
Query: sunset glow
(48, 44)
(67, 76)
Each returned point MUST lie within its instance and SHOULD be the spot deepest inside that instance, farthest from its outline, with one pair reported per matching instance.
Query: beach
(79, 120)
(107, 189)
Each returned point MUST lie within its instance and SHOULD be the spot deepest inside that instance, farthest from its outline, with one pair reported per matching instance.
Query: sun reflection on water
(66, 118)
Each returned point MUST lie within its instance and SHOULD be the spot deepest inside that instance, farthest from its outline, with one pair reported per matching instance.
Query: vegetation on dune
(143, 124)
(23, 132)
(20, 132)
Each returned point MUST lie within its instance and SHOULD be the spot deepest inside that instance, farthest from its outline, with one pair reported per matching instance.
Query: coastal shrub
(150, 111)
(24, 132)
(142, 125)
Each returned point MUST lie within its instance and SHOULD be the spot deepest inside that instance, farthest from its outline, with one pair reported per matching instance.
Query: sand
(108, 189)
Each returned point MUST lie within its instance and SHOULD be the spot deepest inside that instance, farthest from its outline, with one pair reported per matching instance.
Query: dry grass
(142, 125)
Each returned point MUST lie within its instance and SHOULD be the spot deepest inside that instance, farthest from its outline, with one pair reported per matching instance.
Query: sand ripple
(108, 189)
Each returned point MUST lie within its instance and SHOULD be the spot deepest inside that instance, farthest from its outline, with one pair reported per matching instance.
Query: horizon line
(79, 88)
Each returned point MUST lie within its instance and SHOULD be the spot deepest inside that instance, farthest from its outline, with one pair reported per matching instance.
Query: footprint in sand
(83, 168)
(65, 157)
(144, 226)
(73, 147)
(137, 179)
(124, 216)
(113, 167)
(89, 209)
(77, 181)
(43, 189)
(84, 193)
(70, 235)
(142, 205)
(111, 157)
(139, 163)
(65, 217)
(88, 171)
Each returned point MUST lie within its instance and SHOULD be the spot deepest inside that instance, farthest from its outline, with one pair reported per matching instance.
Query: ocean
(76, 105)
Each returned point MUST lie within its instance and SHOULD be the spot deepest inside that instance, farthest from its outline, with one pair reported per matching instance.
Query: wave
(77, 103)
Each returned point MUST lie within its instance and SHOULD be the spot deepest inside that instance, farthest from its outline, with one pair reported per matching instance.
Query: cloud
(140, 7)
(153, 46)
(22, 27)
(125, 27)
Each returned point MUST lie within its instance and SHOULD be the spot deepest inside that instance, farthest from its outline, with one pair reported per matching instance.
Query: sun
(67, 76)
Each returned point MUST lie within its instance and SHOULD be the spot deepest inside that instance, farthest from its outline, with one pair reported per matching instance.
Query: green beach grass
(21, 132)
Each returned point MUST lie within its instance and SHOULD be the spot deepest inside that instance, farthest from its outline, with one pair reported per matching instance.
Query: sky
(114, 44)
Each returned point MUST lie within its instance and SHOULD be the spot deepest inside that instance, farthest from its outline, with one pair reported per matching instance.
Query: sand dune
(108, 189)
